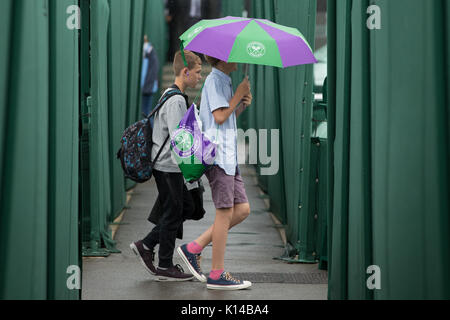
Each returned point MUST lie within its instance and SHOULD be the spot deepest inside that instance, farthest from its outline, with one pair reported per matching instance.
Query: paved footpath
(251, 248)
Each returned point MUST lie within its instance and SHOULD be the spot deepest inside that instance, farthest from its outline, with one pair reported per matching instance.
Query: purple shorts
(227, 191)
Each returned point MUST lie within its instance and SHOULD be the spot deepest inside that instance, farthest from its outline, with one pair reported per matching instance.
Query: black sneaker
(146, 257)
(175, 273)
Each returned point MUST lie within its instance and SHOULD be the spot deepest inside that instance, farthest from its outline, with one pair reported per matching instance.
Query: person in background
(149, 77)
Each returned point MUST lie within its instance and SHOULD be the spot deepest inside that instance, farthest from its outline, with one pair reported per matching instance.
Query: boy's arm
(221, 115)
(245, 103)
(240, 109)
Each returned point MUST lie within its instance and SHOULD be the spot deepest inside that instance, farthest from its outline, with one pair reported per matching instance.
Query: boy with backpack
(169, 179)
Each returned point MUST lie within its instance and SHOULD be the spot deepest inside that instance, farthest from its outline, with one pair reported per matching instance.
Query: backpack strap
(160, 151)
(169, 94)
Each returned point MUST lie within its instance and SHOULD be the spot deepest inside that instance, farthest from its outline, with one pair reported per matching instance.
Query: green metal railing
(388, 122)
(39, 149)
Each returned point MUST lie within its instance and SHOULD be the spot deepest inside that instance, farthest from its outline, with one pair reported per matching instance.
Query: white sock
(145, 247)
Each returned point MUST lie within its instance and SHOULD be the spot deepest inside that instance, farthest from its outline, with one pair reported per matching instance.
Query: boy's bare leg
(219, 237)
(240, 213)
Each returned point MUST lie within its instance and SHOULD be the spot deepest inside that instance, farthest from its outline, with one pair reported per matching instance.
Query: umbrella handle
(246, 67)
(182, 54)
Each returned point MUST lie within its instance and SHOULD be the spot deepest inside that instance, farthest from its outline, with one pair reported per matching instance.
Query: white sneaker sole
(136, 252)
(245, 285)
(167, 279)
(191, 269)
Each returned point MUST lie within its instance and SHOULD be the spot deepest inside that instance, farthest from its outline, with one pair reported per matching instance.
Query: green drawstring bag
(192, 149)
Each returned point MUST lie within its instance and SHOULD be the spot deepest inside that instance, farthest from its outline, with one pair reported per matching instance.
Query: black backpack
(135, 153)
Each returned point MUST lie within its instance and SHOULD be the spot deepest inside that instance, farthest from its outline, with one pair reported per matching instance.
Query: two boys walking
(218, 112)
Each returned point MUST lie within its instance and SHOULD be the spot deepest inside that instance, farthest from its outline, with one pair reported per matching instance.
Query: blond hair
(192, 61)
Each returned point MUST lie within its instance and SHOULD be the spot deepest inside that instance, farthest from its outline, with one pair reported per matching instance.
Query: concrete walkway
(251, 248)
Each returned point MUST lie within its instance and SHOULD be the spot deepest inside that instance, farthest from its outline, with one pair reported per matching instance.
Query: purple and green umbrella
(251, 41)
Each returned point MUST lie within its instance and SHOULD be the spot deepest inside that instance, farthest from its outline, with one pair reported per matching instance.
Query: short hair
(191, 59)
(212, 61)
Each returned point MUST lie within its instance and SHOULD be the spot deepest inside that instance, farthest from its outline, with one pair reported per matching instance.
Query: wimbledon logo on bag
(256, 49)
(184, 144)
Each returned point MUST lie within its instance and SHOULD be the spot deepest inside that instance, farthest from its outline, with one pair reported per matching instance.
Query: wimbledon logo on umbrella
(256, 49)
(195, 32)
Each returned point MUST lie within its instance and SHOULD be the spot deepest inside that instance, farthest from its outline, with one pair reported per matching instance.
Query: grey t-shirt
(166, 121)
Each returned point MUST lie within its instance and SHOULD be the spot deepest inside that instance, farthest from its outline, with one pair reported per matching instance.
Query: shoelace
(199, 259)
(179, 268)
(229, 277)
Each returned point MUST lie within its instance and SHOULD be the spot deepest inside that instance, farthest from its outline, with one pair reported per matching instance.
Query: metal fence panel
(359, 206)
(272, 121)
(99, 157)
(338, 251)
(411, 202)
(296, 116)
(134, 67)
(5, 43)
(63, 248)
(390, 151)
(118, 51)
(23, 203)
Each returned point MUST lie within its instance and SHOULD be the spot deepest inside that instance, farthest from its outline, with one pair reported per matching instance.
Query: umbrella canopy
(252, 41)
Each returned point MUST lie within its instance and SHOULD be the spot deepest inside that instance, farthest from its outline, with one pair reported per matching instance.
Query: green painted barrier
(100, 242)
(24, 203)
(134, 67)
(63, 108)
(39, 148)
(118, 52)
(389, 106)
(63, 238)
